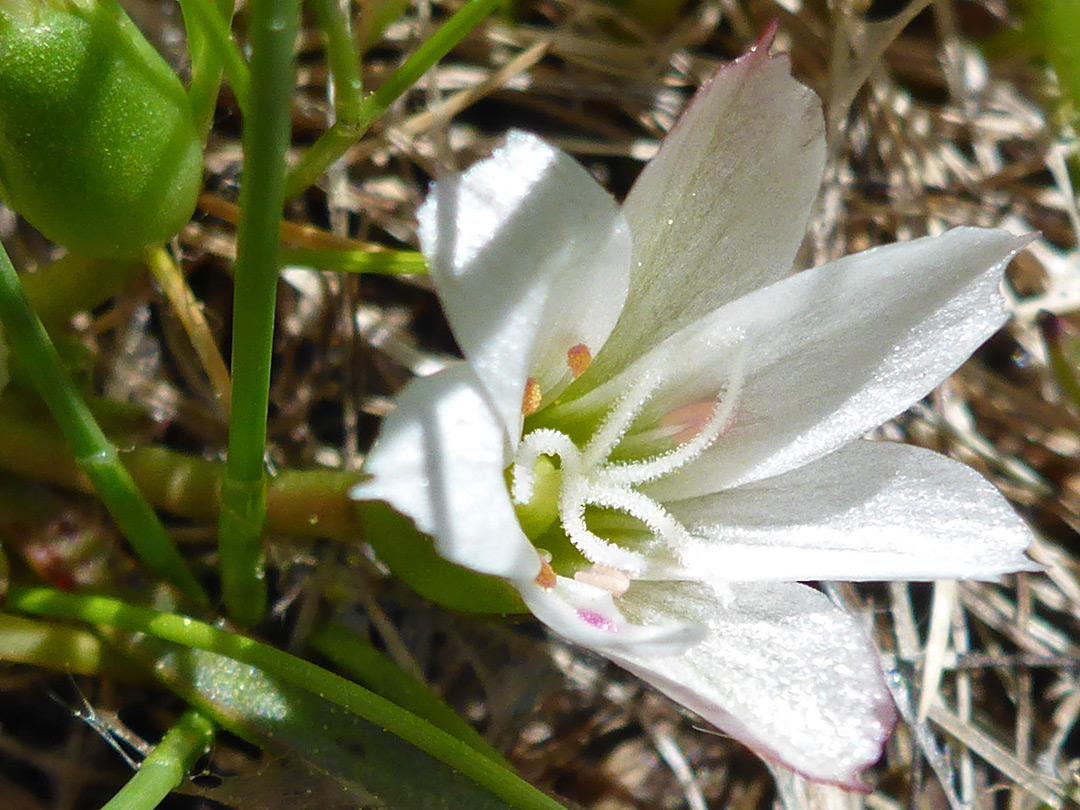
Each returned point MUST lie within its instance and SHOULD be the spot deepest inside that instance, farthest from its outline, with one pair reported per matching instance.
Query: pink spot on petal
(690, 419)
(597, 621)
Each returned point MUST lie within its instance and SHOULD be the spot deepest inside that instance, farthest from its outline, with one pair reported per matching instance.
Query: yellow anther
(547, 578)
(530, 403)
(579, 359)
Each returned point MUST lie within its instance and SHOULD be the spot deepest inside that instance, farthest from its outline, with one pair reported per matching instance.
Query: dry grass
(926, 132)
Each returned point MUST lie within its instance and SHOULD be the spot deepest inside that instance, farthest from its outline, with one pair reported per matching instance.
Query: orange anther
(530, 403)
(579, 359)
(547, 578)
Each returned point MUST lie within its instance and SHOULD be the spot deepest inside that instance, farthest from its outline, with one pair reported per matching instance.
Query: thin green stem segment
(273, 26)
(208, 54)
(61, 647)
(333, 143)
(300, 503)
(382, 263)
(342, 54)
(211, 41)
(94, 453)
(166, 766)
(290, 669)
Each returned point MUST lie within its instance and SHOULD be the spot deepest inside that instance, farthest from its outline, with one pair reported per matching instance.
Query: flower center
(587, 476)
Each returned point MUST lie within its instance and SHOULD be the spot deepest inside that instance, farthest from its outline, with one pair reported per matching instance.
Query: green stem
(59, 647)
(290, 669)
(166, 766)
(342, 54)
(208, 55)
(333, 143)
(383, 263)
(93, 452)
(273, 26)
(214, 44)
(300, 503)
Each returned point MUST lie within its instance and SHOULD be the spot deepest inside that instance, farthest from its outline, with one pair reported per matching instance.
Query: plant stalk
(273, 26)
(94, 453)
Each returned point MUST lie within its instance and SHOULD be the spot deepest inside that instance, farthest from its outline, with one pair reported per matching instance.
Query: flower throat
(587, 476)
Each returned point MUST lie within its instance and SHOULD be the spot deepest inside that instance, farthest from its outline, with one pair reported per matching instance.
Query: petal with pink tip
(722, 208)
(782, 670)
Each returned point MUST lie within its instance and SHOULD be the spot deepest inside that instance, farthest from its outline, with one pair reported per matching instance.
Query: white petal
(722, 209)
(439, 460)
(587, 615)
(869, 511)
(827, 354)
(530, 257)
(782, 670)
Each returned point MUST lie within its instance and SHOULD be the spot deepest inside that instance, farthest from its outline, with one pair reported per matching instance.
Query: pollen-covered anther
(579, 358)
(606, 577)
(691, 419)
(530, 403)
(547, 578)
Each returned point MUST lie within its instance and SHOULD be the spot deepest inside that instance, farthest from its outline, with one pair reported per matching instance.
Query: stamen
(579, 359)
(530, 403)
(547, 578)
(610, 579)
(587, 477)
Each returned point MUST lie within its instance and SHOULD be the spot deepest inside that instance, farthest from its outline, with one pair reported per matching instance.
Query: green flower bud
(98, 148)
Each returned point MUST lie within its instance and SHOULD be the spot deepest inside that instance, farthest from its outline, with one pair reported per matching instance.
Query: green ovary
(539, 519)
(537, 516)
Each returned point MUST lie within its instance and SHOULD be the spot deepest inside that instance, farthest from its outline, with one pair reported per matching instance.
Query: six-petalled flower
(656, 431)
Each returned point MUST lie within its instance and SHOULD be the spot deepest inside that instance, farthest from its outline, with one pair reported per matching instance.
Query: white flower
(656, 431)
